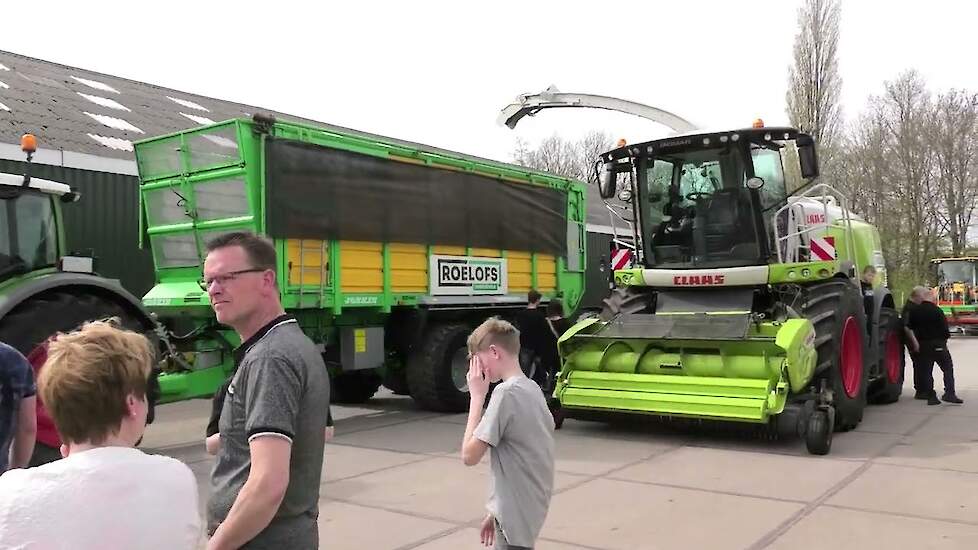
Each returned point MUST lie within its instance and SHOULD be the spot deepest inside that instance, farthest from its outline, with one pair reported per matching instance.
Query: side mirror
(607, 181)
(807, 156)
(71, 196)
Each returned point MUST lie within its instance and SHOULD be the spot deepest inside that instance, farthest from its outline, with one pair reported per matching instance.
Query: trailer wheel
(890, 385)
(31, 323)
(818, 433)
(835, 308)
(354, 387)
(437, 369)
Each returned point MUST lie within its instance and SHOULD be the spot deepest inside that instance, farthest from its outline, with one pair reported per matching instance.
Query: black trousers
(923, 366)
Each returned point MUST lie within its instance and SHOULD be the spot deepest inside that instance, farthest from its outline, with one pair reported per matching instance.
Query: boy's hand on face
(477, 379)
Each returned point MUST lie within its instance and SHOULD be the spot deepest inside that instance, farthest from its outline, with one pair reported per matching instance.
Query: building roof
(88, 120)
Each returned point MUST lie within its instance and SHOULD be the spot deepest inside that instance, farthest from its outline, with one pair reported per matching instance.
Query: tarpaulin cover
(315, 192)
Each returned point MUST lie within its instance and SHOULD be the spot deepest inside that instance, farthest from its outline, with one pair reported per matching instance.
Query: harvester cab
(956, 290)
(746, 304)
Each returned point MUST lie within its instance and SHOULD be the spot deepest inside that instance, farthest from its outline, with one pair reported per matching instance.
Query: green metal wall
(105, 221)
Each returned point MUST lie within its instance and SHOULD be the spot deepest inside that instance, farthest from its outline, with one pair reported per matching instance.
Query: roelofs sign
(467, 275)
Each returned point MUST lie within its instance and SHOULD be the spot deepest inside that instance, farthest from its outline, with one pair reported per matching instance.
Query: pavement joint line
(433, 537)
(574, 544)
(417, 515)
(808, 509)
(424, 458)
(605, 475)
(712, 491)
(399, 451)
(370, 428)
(925, 468)
(903, 515)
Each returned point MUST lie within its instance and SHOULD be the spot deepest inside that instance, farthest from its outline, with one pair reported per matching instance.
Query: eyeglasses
(225, 278)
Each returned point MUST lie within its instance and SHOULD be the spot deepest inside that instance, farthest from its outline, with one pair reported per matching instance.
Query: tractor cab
(29, 220)
(707, 200)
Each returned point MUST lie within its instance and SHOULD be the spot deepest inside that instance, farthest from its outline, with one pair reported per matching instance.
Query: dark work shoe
(952, 399)
(933, 400)
(921, 395)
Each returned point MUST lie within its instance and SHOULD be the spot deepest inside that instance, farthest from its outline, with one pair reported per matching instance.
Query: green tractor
(45, 290)
(746, 304)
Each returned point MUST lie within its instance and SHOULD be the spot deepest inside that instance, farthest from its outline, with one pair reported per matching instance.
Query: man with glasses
(265, 483)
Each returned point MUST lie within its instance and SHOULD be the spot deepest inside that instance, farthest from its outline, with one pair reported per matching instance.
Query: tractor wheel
(835, 308)
(40, 317)
(818, 433)
(890, 385)
(354, 387)
(623, 300)
(437, 369)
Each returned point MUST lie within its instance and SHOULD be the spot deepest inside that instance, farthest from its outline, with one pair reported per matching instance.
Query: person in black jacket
(929, 326)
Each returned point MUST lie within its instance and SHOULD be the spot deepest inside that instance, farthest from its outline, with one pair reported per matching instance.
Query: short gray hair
(921, 292)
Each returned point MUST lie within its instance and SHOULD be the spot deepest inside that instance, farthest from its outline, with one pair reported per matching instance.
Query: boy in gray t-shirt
(519, 427)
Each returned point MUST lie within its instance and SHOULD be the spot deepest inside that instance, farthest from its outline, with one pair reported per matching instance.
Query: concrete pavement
(906, 478)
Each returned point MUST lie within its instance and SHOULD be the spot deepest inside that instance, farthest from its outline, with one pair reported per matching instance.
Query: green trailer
(746, 305)
(389, 253)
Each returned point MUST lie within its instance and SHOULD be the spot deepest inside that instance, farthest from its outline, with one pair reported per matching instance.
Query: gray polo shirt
(519, 428)
(280, 389)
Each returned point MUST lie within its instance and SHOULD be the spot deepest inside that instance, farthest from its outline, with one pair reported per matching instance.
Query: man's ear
(270, 280)
(131, 404)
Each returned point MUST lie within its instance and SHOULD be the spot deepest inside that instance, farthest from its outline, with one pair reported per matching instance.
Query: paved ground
(907, 478)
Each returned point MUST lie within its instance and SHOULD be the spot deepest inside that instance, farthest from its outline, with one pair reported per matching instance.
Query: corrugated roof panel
(113, 122)
(113, 143)
(189, 104)
(96, 84)
(105, 102)
(198, 119)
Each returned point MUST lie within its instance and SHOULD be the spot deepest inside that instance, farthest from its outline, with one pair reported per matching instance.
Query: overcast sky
(439, 72)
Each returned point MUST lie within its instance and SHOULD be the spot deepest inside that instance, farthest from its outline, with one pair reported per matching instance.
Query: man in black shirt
(929, 325)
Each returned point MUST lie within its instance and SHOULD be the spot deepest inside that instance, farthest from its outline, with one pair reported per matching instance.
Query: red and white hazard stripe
(621, 258)
(823, 248)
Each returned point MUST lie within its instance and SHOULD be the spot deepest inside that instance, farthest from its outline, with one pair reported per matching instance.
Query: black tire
(430, 366)
(42, 316)
(830, 305)
(38, 318)
(396, 381)
(888, 388)
(354, 387)
(623, 300)
(818, 433)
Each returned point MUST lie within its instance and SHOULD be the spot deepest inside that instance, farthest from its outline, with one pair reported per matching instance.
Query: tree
(953, 135)
(814, 83)
(572, 159)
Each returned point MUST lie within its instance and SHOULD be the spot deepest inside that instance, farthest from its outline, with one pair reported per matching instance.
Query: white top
(101, 499)
(48, 186)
